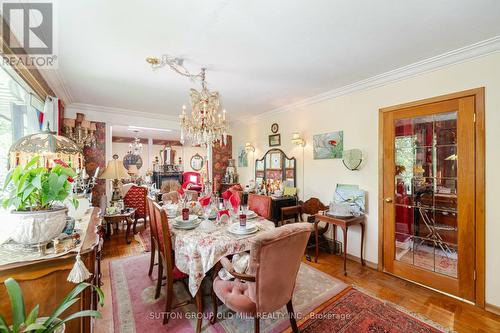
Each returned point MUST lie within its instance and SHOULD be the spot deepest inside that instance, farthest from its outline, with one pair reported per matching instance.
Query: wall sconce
(249, 147)
(296, 139)
(299, 141)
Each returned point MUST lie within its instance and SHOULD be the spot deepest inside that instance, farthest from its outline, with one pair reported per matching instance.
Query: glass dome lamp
(49, 146)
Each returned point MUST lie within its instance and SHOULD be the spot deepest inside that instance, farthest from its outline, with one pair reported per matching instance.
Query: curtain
(51, 114)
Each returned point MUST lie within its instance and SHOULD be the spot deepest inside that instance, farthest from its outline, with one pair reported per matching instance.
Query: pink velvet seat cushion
(234, 294)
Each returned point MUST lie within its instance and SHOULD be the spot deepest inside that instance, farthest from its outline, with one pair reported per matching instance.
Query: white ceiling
(260, 55)
(145, 133)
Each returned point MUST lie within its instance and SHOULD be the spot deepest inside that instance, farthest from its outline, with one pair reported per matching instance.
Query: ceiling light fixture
(136, 146)
(206, 124)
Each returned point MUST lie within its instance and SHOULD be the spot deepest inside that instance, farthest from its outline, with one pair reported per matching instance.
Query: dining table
(198, 250)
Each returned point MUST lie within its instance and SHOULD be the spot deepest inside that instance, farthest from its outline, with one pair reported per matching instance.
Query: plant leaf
(33, 161)
(33, 315)
(34, 327)
(63, 307)
(17, 303)
(84, 313)
(4, 328)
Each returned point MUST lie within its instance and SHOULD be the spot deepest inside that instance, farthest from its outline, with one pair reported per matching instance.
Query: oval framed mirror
(196, 162)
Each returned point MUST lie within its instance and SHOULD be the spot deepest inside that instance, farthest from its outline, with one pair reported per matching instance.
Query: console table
(344, 223)
(44, 281)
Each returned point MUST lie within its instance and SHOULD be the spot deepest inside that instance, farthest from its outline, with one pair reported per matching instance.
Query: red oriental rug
(136, 310)
(144, 238)
(353, 311)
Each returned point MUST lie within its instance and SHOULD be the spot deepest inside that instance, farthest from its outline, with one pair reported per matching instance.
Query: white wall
(357, 115)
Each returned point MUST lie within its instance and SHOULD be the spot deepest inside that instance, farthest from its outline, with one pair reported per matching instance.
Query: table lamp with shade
(115, 171)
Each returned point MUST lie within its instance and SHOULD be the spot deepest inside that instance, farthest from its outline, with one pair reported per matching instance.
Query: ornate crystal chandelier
(207, 123)
(136, 146)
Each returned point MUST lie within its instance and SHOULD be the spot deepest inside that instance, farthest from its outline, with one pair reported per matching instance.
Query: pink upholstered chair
(275, 258)
(260, 204)
(193, 179)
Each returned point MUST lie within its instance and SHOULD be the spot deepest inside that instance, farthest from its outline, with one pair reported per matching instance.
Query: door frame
(478, 94)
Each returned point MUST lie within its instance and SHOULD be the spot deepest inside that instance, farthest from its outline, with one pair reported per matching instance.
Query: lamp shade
(115, 170)
(49, 146)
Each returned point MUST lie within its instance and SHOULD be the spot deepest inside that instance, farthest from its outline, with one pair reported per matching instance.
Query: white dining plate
(251, 214)
(192, 218)
(186, 226)
(237, 230)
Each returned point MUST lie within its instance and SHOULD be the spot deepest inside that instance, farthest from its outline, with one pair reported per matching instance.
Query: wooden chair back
(152, 219)
(312, 206)
(164, 239)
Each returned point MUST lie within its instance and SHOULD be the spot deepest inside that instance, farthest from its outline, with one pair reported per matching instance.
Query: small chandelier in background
(206, 124)
(136, 146)
(80, 130)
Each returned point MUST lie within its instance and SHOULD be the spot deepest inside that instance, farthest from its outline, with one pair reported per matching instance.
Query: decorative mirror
(352, 159)
(196, 162)
(277, 166)
(130, 159)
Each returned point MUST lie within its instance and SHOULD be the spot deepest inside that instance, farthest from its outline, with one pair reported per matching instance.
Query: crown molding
(120, 111)
(58, 85)
(469, 52)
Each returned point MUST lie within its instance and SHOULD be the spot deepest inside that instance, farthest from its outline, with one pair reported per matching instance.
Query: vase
(35, 227)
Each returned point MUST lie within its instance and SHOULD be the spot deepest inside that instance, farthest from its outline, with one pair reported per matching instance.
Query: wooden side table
(344, 224)
(128, 217)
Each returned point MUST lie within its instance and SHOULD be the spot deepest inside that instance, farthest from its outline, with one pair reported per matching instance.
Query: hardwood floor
(442, 309)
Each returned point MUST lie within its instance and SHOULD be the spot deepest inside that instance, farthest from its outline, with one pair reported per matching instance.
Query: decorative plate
(275, 128)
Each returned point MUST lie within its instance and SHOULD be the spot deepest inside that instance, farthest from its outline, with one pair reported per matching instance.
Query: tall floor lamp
(299, 141)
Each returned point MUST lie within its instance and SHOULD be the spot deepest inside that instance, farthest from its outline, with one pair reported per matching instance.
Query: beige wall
(186, 152)
(357, 115)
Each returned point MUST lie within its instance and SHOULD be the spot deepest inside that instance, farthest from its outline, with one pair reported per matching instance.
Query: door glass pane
(426, 192)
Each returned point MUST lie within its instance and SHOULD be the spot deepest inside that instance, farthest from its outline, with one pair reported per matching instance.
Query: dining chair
(173, 196)
(136, 198)
(291, 212)
(275, 259)
(153, 239)
(193, 195)
(167, 266)
(260, 204)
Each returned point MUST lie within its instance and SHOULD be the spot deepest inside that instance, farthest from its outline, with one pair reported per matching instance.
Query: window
(20, 114)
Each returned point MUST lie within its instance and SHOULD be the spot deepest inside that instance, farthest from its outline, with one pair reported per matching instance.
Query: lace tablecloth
(197, 251)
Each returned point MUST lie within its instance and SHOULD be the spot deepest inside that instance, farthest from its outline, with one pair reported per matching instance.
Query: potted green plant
(32, 323)
(37, 193)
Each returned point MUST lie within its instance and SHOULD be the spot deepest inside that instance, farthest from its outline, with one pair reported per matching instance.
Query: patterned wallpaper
(221, 155)
(96, 157)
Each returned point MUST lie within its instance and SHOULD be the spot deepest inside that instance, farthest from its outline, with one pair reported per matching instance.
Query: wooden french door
(429, 188)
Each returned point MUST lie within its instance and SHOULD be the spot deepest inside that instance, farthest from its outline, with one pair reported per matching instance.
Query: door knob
(388, 200)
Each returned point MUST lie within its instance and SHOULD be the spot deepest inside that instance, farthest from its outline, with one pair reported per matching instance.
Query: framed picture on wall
(274, 140)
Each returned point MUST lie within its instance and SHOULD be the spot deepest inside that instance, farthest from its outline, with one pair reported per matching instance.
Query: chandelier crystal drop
(206, 124)
(136, 146)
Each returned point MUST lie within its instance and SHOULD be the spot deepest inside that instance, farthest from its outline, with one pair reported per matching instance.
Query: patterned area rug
(353, 311)
(136, 310)
(144, 238)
